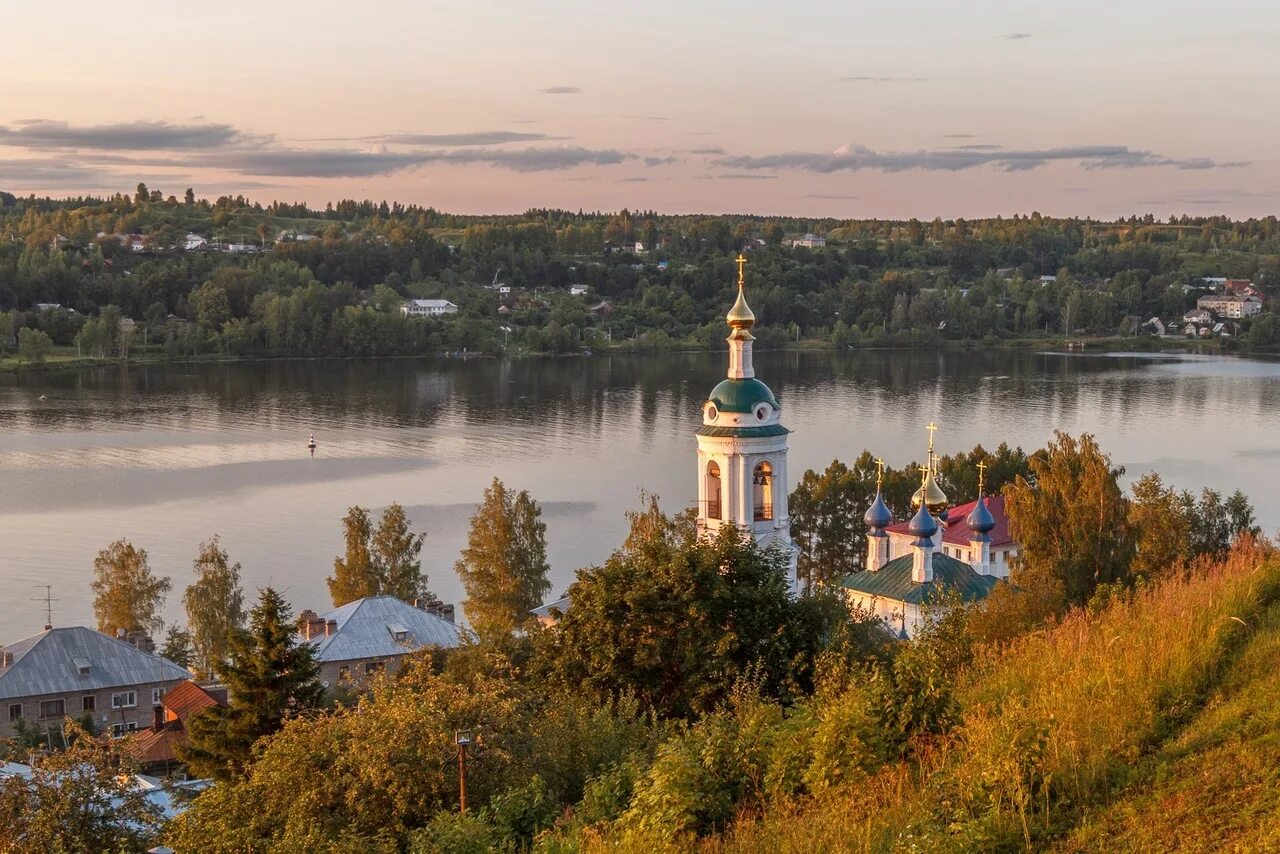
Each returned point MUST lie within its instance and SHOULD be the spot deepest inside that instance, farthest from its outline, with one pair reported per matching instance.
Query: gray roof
(51, 663)
(368, 628)
(893, 581)
(561, 605)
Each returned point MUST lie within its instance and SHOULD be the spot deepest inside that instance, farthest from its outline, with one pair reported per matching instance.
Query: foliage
(381, 562)
(80, 799)
(126, 595)
(178, 648)
(33, 345)
(270, 678)
(215, 606)
(504, 566)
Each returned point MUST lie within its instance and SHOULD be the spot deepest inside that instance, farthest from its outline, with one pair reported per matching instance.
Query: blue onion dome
(878, 516)
(980, 519)
(922, 525)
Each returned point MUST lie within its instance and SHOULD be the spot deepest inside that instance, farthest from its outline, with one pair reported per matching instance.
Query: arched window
(762, 492)
(713, 490)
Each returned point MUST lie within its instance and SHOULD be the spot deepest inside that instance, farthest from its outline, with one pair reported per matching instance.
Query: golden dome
(929, 492)
(741, 316)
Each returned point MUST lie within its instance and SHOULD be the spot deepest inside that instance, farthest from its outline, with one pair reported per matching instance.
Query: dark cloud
(318, 163)
(560, 90)
(716, 150)
(853, 158)
(978, 147)
(47, 174)
(837, 196)
(633, 180)
(1013, 37)
(660, 161)
(738, 176)
(489, 137)
(868, 78)
(127, 136)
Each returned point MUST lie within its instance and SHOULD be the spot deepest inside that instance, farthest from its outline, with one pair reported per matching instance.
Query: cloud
(738, 176)
(650, 118)
(339, 163)
(633, 180)
(47, 174)
(958, 135)
(127, 136)
(854, 158)
(867, 78)
(560, 90)
(1013, 37)
(715, 150)
(660, 161)
(830, 196)
(488, 137)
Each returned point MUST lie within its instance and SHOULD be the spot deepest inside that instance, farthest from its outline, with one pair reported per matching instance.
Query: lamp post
(462, 738)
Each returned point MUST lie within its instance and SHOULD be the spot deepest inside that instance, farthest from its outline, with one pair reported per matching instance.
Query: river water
(167, 455)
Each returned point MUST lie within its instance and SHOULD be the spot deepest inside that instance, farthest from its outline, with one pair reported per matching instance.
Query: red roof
(152, 746)
(187, 699)
(958, 532)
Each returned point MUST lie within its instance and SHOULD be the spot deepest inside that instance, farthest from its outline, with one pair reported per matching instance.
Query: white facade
(1232, 307)
(742, 452)
(428, 308)
(810, 241)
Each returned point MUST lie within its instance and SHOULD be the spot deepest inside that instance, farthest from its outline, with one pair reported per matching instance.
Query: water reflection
(169, 454)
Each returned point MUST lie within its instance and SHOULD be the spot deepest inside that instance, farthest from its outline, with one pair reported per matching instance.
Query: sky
(867, 109)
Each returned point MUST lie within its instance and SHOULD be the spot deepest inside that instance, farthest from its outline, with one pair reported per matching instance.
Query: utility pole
(463, 738)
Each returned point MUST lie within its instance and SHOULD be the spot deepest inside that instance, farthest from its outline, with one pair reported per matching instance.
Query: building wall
(354, 672)
(140, 716)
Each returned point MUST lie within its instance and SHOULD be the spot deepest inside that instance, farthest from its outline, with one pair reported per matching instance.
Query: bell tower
(742, 448)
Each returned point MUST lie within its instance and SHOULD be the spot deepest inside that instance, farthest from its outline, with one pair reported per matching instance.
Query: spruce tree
(270, 676)
(504, 566)
(177, 647)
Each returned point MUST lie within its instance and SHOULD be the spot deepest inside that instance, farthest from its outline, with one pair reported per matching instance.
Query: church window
(713, 491)
(762, 492)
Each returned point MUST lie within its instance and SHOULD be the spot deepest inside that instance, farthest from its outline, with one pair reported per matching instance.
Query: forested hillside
(234, 277)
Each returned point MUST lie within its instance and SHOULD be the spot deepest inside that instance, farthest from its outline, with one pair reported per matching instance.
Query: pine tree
(177, 647)
(126, 595)
(504, 566)
(214, 604)
(270, 677)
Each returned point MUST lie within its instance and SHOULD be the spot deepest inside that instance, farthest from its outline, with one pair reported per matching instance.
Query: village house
(195, 242)
(1197, 316)
(154, 749)
(368, 636)
(74, 671)
(809, 241)
(578, 290)
(1231, 306)
(428, 308)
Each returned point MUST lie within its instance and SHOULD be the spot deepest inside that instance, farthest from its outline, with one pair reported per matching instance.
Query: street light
(462, 738)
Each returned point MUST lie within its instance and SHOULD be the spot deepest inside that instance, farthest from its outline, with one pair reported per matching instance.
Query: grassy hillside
(1148, 726)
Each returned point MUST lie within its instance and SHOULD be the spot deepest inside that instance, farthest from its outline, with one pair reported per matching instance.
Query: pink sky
(887, 109)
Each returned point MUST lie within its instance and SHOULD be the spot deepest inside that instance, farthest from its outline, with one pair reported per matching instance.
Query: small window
(88, 703)
(373, 667)
(15, 711)
(714, 490)
(156, 695)
(52, 709)
(344, 673)
(119, 730)
(124, 700)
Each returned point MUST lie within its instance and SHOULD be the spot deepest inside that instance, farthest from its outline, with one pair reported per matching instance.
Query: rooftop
(893, 581)
(958, 531)
(66, 660)
(382, 627)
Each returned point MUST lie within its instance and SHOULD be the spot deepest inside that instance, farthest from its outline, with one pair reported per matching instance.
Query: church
(942, 553)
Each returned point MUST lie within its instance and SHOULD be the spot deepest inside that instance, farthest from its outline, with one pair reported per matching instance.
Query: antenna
(48, 599)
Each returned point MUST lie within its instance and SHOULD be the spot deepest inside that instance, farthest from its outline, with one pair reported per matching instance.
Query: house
(1233, 306)
(639, 247)
(372, 635)
(578, 290)
(47, 306)
(549, 613)
(74, 671)
(603, 307)
(1197, 315)
(1048, 280)
(241, 247)
(1157, 326)
(171, 797)
(135, 243)
(428, 308)
(957, 538)
(809, 241)
(195, 242)
(155, 749)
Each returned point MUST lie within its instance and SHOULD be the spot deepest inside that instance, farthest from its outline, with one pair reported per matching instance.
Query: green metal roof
(893, 581)
(744, 432)
(742, 395)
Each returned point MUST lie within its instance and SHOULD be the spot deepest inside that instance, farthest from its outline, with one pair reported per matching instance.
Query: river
(167, 455)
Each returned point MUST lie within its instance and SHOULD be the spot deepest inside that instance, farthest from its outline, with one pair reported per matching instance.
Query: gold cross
(741, 261)
(924, 475)
(982, 472)
(879, 473)
(932, 428)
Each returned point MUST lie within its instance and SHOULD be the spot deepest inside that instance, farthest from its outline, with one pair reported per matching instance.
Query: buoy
(311, 444)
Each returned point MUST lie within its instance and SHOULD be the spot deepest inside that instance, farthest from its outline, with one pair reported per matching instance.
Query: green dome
(742, 395)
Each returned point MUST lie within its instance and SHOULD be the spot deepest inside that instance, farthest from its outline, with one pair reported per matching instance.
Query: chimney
(6, 659)
(121, 633)
(157, 718)
(330, 626)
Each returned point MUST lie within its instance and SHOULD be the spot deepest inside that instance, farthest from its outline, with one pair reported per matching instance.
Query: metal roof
(744, 432)
(561, 605)
(366, 629)
(893, 581)
(49, 663)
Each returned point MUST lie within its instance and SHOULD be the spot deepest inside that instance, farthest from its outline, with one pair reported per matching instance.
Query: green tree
(826, 520)
(396, 551)
(81, 799)
(1160, 525)
(33, 345)
(355, 573)
(214, 604)
(1072, 524)
(504, 566)
(177, 647)
(126, 594)
(211, 306)
(270, 677)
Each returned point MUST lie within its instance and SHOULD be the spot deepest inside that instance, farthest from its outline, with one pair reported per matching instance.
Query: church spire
(740, 320)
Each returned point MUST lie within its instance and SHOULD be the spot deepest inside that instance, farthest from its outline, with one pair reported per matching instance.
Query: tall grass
(1051, 725)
